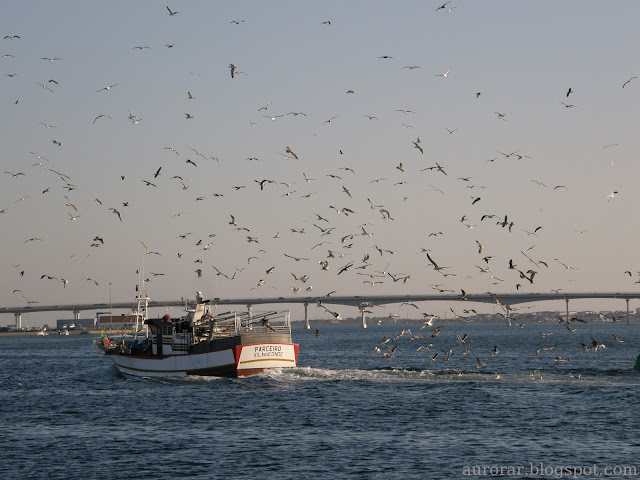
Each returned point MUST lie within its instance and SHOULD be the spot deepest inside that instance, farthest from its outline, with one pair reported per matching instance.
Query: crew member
(265, 323)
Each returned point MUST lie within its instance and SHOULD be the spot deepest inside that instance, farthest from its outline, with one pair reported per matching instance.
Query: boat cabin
(202, 331)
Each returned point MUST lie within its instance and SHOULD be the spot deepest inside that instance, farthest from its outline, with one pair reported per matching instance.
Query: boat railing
(264, 322)
(243, 323)
(254, 329)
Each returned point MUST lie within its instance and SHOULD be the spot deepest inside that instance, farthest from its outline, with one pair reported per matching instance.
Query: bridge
(363, 303)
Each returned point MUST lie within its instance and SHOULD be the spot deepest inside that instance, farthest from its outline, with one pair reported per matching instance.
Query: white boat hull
(237, 361)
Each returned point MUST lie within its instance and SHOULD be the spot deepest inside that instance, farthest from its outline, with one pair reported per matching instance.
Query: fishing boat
(204, 342)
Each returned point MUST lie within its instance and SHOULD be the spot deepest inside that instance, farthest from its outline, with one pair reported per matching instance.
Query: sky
(124, 131)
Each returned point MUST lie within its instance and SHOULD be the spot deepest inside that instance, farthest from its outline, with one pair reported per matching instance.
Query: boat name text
(267, 351)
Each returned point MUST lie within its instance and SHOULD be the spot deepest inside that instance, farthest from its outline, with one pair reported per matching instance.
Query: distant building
(118, 322)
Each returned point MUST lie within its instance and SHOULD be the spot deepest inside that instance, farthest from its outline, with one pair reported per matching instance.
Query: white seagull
(108, 87)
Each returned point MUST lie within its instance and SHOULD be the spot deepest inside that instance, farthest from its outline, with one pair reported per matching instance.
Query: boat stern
(255, 358)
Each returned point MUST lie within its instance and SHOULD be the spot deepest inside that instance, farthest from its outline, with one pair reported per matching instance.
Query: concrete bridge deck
(505, 300)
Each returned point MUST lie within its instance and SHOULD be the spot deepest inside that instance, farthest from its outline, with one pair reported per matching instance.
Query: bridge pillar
(250, 310)
(306, 316)
(364, 318)
(566, 299)
(76, 314)
(18, 317)
(508, 318)
(627, 311)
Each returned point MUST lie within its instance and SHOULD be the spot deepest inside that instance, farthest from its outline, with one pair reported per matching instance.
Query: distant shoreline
(547, 317)
(54, 333)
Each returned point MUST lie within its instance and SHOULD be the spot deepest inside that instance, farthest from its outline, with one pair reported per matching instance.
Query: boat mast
(140, 289)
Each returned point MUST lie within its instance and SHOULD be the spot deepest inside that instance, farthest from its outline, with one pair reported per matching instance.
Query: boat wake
(390, 374)
(101, 374)
(182, 380)
(376, 375)
(424, 375)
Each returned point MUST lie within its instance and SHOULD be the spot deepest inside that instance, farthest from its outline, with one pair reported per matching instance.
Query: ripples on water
(68, 414)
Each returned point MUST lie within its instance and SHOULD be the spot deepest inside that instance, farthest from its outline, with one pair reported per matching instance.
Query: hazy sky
(312, 77)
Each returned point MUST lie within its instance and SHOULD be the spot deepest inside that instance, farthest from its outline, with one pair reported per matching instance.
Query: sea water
(344, 412)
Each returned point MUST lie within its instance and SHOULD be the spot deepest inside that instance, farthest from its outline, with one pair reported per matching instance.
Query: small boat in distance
(204, 342)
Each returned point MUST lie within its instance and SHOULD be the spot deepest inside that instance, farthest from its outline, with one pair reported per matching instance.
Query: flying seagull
(435, 265)
(149, 252)
(288, 150)
(418, 146)
(297, 259)
(100, 116)
(44, 86)
(218, 272)
(69, 204)
(108, 87)
(623, 85)
(116, 212)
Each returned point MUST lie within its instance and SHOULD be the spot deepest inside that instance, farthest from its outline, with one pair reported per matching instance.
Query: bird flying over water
(149, 252)
(416, 145)
(45, 87)
(297, 259)
(108, 87)
(291, 152)
(100, 116)
(116, 212)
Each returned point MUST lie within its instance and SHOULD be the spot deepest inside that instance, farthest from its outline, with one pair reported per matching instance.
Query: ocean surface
(345, 412)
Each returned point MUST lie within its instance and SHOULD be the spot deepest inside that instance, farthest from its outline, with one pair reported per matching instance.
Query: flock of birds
(341, 244)
(443, 351)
